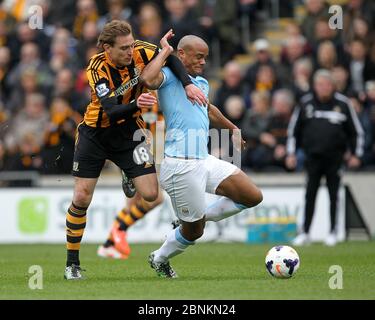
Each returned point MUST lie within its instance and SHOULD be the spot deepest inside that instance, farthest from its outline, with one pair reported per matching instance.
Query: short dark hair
(112, 30)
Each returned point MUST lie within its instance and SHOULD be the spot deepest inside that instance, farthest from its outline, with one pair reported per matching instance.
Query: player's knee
(254, 198)
(82, 198)
(258, 197)
(198, 234)
(151, 195)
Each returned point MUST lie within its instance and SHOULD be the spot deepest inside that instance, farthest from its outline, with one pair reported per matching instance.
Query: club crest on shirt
(102, 90)
(185, 211)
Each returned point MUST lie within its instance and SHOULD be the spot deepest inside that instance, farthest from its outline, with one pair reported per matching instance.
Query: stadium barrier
(37, 215)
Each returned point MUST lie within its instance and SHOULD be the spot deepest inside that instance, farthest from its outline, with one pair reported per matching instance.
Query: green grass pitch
(206, 271)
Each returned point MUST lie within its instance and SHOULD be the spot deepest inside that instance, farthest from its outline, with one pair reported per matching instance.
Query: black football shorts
(95, 145)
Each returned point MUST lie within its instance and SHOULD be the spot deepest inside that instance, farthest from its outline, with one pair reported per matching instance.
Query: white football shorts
(186, 182)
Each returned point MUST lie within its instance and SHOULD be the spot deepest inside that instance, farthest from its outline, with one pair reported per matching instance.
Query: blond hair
(112, 30)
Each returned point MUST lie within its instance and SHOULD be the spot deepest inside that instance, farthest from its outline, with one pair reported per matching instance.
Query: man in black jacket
(324, 125)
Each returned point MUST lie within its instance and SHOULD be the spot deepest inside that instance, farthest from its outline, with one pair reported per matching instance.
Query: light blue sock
(223, 208)
(174, 244)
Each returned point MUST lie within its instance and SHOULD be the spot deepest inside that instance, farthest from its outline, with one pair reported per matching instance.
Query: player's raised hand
(164, 41)
(146, 100)
(195, 94)
(238, 143)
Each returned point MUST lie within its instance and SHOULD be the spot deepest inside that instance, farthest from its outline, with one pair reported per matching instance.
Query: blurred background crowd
(263, 55)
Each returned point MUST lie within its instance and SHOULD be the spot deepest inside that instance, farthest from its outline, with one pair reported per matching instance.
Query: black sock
(122, 226)
(108, 243)
(72, 258)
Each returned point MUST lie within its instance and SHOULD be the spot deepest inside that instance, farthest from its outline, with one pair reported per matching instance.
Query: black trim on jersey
(116, 111)
(178, 69)
(132, 75)
(144, 56)
(94, 67)
(100, 117)
(117, 80)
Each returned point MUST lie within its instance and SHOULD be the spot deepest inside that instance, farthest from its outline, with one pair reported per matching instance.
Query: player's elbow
(148, 82)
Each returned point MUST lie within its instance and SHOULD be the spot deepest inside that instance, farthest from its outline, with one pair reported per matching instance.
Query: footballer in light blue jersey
(187, 124)
(188, 172)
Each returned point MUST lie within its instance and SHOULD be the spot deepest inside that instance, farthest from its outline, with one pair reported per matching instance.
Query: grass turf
(206, 271)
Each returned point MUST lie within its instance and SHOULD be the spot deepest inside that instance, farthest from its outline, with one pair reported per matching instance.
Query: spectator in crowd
(248, 9)
(28, 85)
(302, 71)
(82, 86)
(179, 18)
(64, 88)
(218, 19)
(255, 122)
(4, 119)
(4, 73)
(30, 58)
(149, 25)
(230, 85)
(360, 30)
(86, 11)
(342, 80)
(89, 37)
(358, 8)
(315, 10)
(265, 80)
(272, 148)
(323, 33)
(326, 56)
(7, 23)
(293, 29)
(234, 109)
(2, 160)
(62, 57)
(27, 156)
(117, 10)
(29, 121)
(23, 35)
(262, 57)
(62, 13)
(295, 48)
(359, 65)
(58, 149)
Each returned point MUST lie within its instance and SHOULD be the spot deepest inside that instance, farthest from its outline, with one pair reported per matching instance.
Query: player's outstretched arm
(151, 75)
(218, 120)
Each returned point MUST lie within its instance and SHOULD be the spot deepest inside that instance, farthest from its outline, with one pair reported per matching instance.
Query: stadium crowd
(44, 90)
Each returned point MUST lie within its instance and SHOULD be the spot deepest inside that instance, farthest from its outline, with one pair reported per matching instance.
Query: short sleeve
(99, 82)
(168, 77)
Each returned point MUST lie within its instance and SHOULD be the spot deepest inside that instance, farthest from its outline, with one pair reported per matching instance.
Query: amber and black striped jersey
(106, 79)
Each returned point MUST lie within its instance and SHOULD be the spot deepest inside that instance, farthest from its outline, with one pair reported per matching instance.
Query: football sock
(174, 244)
(75, 226)
(223, 208)
(127, 217)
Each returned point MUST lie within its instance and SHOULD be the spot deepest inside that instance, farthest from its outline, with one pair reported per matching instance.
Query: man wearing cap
(262, 57)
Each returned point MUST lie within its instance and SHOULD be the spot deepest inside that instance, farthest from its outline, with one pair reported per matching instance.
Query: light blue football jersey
(187, 124)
